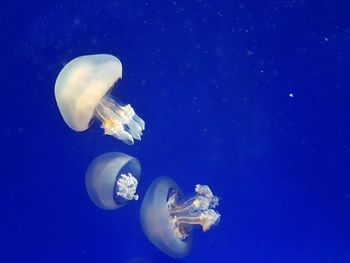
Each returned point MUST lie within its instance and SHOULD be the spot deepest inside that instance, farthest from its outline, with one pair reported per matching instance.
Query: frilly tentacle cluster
(126, 187)
(119, 121)
(197, 210)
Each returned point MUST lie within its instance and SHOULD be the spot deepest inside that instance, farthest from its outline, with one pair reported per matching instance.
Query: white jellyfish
(82, 92)
(112, 179)
(167, 219)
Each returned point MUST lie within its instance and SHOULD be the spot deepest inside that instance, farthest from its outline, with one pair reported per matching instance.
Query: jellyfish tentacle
(204, 218)
(188, 205)
(119, 121)
(126, 187)
(197, 210)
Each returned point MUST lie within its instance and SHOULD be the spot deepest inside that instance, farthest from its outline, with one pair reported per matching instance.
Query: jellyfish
(112, 179)
(167, 219)
(82, 92)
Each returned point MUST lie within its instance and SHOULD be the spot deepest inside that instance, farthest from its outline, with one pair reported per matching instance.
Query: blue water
(249, 97)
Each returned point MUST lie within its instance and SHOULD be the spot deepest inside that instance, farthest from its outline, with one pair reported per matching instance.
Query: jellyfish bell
(111, 180)
(167, 219)
(82, 92)
(155, 219)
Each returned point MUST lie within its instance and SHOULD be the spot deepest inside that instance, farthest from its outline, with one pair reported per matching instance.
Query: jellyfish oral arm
(204, 218)
(198, 210)
(126, 187)
(119, 121)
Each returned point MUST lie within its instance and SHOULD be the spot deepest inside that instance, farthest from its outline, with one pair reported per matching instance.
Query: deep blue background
(212, 81)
